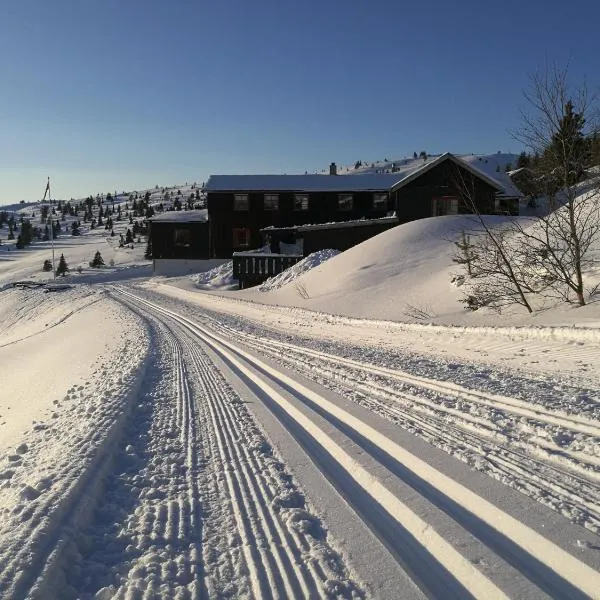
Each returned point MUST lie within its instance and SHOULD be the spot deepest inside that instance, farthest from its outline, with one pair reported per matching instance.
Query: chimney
(332, 169)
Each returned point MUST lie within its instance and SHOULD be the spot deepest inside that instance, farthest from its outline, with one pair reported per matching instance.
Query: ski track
(526, 446)
(186, 499)
(545, 444)
(544, 564)
(170, 489)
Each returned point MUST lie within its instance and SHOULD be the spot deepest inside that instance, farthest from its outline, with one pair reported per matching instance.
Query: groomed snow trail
(451, 540)
(187, 500)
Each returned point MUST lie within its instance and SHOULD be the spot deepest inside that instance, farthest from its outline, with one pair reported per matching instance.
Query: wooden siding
(415, 200)
(322, 208)
(412, 201)
(163, 236)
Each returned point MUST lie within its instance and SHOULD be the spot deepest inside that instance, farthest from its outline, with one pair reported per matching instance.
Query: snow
(176, 437)
(175, 216)
(359, 180)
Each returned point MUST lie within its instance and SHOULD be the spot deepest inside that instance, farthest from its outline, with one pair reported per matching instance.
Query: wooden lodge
(295, 215)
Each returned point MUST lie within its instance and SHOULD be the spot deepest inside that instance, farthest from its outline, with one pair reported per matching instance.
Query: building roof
(187, 216)
(302, 183)
(371, 182)
(332, 225)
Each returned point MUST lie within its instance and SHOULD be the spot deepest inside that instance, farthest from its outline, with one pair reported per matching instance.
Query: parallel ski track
(175, 521)
(552, 569)
(272, 553)
(566, 481)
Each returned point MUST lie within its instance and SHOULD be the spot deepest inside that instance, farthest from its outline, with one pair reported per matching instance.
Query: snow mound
(306, 264)
(386, 277)
(220, 277)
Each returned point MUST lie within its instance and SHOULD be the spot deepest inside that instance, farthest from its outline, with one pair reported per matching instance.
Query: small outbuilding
(179, 241)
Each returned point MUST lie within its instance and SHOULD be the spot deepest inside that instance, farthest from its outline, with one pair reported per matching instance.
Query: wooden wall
(164, 235)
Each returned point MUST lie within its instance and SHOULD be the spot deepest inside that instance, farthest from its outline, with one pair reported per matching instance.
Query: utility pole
(47, 191)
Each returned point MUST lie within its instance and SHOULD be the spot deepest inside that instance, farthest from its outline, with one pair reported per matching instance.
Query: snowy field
(348, 430)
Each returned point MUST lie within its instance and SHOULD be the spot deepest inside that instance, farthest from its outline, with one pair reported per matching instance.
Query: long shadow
(531, 568)
(422, 567)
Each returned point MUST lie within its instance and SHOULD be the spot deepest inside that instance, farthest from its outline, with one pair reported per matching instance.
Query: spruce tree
(63, 267)
(148, 253)
(47, 265)
(97, 261)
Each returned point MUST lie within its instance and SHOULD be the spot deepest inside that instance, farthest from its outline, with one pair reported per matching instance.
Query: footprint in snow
(29, 493)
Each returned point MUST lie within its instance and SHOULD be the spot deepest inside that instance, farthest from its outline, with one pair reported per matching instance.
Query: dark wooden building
(241, 208)
(179, 234)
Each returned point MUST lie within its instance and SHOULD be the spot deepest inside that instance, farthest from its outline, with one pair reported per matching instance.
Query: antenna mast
(47, 191)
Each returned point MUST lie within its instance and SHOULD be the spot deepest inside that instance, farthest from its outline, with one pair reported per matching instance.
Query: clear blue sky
(125, 94)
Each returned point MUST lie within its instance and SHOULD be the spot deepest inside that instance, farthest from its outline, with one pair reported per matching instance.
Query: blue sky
(122, 95)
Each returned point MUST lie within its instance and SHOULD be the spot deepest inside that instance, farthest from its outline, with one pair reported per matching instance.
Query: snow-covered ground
(347, 430)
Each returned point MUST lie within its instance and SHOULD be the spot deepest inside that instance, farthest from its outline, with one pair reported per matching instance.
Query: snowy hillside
(170, 438)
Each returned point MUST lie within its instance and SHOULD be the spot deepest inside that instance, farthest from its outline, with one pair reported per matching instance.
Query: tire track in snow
(545, 564)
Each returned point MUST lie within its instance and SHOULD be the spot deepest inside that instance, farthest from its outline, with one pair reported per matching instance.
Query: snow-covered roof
(332, 225)
(188, 216)
(367, 182)
(302, 183)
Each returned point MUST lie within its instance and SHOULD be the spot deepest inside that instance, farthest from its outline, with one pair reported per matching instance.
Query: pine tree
(97, 261)
(524, 160)
(63, 267)
(75, 228)
(148, 253)
(568, 150)
(47, 265)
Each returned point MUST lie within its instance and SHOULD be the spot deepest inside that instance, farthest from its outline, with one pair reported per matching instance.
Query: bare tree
(495, 260)
(559, 128)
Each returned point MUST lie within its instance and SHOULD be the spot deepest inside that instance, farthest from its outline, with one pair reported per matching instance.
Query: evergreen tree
(524, 160)
(568, 150)
(148, 253)
(47, 265)
(97, 261)
(26, 233)
(63, 267)
(75, 228)
(128, 237)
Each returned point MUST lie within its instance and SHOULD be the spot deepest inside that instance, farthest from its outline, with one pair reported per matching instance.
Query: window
(301, 202)
(345, 201)
(380, 201)
(241, 237)
(240, 202)
(183, 238)
(271, 202)
(445, 205)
